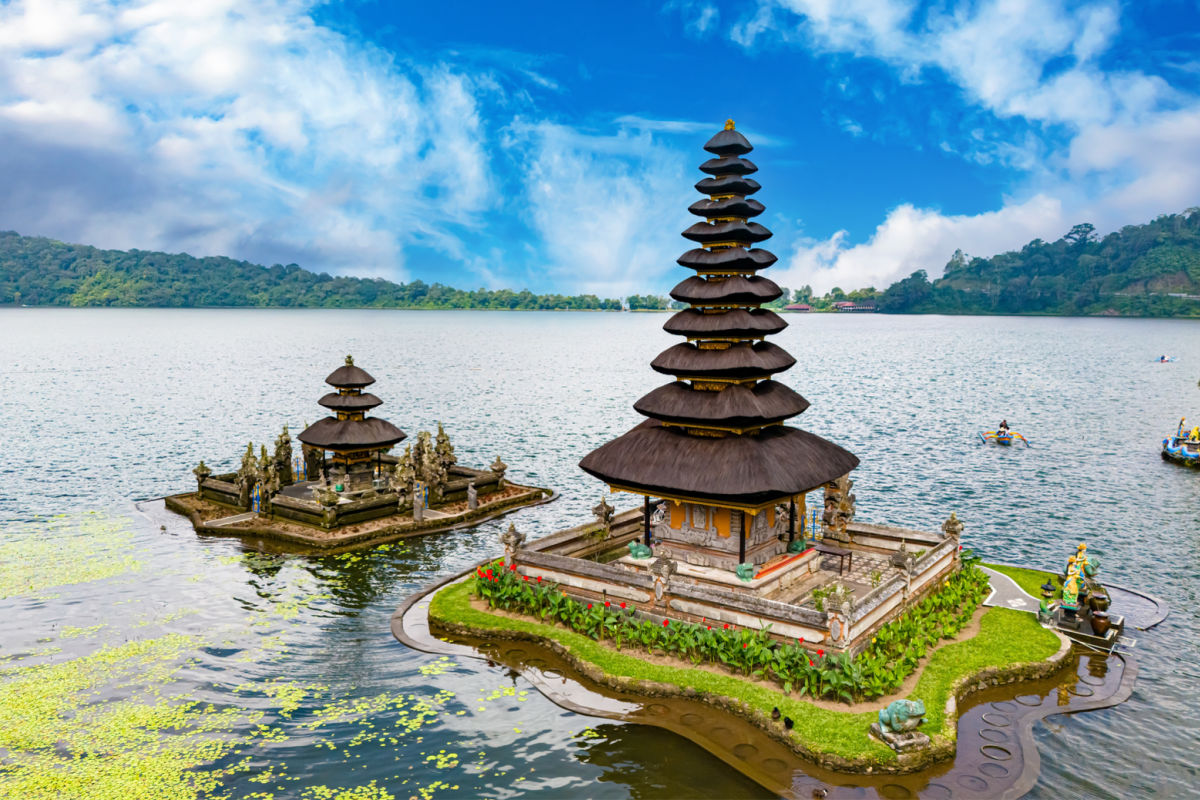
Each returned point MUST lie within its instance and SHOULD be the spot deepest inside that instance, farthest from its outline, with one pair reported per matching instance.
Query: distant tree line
(45, 272)
(1140, 270)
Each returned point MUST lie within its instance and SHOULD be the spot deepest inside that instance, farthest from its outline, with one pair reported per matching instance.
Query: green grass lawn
(1006, 637)
(1030, 580)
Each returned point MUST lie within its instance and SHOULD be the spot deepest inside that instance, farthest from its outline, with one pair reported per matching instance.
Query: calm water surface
(102, 409)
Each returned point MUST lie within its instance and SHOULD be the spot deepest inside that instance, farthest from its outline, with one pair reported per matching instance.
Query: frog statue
(902, 715)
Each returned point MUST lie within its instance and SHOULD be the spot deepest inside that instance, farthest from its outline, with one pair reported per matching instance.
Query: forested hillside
(45, 272)
(1140, 270)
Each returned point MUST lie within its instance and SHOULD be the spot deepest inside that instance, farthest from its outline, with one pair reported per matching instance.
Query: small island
(853, 647)
(344, 488)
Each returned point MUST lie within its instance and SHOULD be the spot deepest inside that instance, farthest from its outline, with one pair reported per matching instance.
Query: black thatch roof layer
(728, 142)
(349, 376)
(743, 207)
(710, 232)
(735, 406)
(739, 322)
(737, 259)
(734, 290)
(746, 360)
(351, 434)
(731, 184)
(350, 402)
(730, 165)
(750, 470)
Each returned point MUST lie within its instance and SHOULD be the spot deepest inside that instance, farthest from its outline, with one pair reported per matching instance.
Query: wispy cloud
(236, 128)
(1105, 145)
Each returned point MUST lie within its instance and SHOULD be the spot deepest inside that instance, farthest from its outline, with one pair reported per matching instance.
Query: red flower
(960, 547)
(801, 640)
(622, 605)
(744, 645)
(513, 567)
(539, 578)
(810, 663)
(710, 627)
(526, 577)
(489, 573)
(589, 606)
(607, 604)
(666, 622)
(726, 626)
(820, 652)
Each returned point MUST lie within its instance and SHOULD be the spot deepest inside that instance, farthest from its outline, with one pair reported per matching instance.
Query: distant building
(798, 307)
(850, 305)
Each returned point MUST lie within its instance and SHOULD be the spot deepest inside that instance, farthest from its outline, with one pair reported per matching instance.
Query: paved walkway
(1006, 593)
(223, 521)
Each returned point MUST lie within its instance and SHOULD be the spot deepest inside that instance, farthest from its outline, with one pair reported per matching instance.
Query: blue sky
(554, 147)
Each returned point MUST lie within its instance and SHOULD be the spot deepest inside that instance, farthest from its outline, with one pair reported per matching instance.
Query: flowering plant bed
(893, 654)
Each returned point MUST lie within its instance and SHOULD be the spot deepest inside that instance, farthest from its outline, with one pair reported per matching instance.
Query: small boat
(1183, 447)
(1002, 437)
(1164, 359)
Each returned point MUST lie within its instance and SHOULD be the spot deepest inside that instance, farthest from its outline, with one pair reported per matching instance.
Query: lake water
(102, 409)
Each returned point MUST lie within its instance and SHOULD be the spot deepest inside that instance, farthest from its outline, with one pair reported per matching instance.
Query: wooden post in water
(742, 540)
(792, 521)
(646, 520)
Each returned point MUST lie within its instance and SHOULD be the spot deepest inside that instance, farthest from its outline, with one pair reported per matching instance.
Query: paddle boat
(1183, 447)
(1164, 359)
(1002, 437)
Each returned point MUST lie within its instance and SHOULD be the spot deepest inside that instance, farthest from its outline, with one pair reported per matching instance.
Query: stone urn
(1098, 601)
(1100, 622)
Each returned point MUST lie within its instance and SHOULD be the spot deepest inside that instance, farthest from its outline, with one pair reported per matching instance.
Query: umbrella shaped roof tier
(735, 406)
(739, 471)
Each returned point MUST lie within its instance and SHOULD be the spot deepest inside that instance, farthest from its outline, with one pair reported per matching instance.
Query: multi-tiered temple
(355, 441)
(714, 444)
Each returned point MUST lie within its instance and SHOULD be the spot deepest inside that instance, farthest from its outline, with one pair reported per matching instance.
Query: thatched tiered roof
(350, 429)
(715, 434)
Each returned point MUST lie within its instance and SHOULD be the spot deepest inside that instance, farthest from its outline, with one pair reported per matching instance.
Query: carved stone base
(900, 742)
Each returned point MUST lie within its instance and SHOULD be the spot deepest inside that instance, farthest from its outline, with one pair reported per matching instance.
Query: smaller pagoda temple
(354, 442)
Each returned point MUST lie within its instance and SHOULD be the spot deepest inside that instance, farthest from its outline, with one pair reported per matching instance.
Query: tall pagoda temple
(714, 444)
(354, 440)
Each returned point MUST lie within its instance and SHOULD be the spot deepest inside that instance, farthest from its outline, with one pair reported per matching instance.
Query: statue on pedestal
(201, 472)
(604, 514)
(445, 450)
(499, 467)
(403, 476)
(662, 569)
(283, 458)
(512, 539)
(247, 476)
(472, 496)
(839, 509)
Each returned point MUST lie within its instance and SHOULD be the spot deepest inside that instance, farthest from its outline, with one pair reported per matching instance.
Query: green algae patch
(63, 551)
(1006, 638)
(1030, 580)
(93, 727)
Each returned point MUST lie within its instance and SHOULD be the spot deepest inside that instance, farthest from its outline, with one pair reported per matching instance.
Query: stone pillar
(418, 506)
(472, 496)
(952, 529)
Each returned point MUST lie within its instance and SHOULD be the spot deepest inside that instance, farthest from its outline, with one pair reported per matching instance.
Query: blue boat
(1183, 447)
(1004, 438)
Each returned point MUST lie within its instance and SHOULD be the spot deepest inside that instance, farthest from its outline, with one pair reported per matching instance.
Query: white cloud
(235, 128)
(913, 238)
(1132, 141)
(607, 207)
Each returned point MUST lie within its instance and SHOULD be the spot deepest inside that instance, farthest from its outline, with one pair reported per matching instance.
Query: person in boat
(1194, 434)
(1003, 426)
(1162, 358)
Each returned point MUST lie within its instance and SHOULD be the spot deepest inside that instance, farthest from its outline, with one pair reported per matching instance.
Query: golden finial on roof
(728, 124)
(349, 361)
